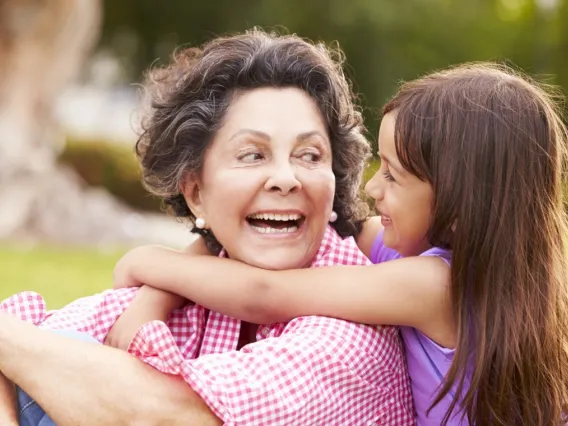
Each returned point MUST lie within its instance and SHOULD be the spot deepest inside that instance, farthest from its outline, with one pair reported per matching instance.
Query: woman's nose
(283, 179)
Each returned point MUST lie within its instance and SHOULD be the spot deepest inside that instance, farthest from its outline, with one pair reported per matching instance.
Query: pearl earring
(333, 217)
(200, 223)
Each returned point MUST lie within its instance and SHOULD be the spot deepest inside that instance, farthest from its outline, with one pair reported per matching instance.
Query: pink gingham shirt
(309, 371)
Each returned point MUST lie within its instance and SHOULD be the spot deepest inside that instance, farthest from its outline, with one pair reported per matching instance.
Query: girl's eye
(388, 176)
(251, 157)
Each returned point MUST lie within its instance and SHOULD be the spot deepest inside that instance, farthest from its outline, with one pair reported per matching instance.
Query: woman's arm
(411, 291)
(8, 409)
(79, 383)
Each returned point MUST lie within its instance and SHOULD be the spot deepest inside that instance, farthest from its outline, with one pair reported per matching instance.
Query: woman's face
(266, 189)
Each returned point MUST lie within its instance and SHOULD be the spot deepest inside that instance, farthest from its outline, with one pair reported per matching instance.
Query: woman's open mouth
(276, 223)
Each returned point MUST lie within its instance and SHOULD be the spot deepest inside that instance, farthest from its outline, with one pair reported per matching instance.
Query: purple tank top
(427, 361)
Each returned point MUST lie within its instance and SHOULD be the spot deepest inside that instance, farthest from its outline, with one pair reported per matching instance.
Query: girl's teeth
(274, 230)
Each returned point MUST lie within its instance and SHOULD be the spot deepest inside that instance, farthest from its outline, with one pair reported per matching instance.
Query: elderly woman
(255, 139)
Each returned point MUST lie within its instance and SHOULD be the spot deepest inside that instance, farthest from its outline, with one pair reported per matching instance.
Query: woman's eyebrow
(265, 136)
(256, 133)
(306, 135)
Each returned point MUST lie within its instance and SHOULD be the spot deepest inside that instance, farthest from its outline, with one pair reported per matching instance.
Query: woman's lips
(385, 220)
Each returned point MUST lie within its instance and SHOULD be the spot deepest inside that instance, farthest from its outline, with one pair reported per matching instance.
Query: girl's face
(403, 201)
(267, 186)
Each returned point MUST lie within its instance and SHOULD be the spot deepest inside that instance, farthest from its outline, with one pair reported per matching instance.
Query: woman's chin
(278, 258)
(275, 250)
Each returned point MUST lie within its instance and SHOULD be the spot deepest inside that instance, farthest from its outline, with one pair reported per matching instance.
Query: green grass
(59, 274)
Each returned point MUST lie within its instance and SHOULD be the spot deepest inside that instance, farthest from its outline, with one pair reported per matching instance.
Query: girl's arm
(410, 292)
(154, 304)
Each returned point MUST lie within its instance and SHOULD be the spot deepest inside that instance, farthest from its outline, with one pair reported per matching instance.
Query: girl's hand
(150, 261)
(150, 304)
(125, 268)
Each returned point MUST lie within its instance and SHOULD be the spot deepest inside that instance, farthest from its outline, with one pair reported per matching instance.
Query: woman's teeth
(271, 216)
(268, 230)
(275, 223)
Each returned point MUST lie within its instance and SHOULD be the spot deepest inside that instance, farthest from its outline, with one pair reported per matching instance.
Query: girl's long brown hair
(491, 143)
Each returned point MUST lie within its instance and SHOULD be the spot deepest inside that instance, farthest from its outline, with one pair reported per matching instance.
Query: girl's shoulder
(381, 253)
(444, 254)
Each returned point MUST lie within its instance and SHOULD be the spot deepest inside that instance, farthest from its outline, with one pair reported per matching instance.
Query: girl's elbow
(258, 315)
(266, 307)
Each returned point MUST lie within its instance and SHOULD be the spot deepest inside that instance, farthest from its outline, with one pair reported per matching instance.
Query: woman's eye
(310, 157)
(388, 176)
(251, 157)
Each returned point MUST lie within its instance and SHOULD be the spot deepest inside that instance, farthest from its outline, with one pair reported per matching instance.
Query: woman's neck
(247, 334)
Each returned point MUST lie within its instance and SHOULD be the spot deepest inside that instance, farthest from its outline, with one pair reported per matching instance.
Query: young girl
(470, 176)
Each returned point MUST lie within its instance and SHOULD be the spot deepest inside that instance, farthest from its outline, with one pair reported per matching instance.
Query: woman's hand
(150, 304)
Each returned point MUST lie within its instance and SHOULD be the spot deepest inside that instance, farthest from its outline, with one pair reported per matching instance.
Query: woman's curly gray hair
(190, 97)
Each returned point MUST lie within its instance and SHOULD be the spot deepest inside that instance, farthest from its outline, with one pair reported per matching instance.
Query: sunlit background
(70, 198)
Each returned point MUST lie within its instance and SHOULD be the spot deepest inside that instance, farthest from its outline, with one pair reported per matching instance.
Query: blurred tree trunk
(43, 45)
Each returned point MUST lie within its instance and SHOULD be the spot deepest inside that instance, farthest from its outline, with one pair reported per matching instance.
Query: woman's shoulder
(335, 250)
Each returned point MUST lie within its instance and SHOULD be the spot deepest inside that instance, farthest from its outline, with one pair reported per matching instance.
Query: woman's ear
(191, 191)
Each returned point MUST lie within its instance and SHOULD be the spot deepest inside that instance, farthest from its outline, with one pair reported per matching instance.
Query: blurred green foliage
(59, 274)
(384, 41)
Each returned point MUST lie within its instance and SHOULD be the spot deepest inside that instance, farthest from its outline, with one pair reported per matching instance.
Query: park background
(71, 201)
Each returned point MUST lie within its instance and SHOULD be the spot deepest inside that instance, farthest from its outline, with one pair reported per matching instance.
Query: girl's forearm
(409, 292)
(222, 285)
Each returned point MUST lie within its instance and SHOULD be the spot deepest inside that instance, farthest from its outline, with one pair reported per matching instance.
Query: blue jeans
(31, 414)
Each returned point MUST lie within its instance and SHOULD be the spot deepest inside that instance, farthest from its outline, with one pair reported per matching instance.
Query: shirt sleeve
(94, 315)
(321, 371)
(27, 306)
